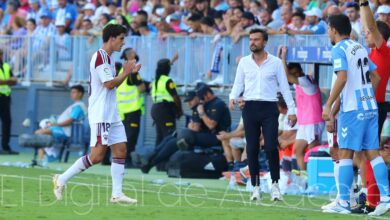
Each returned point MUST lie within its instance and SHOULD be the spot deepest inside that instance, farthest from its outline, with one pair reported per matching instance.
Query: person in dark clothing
(6, 80)
(213, 115)
(168, 145)
(166, 102)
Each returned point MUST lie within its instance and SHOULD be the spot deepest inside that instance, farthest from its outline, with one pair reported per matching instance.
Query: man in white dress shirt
(259, 75)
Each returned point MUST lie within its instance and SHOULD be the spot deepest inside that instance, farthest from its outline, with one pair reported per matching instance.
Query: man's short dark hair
(291, 66)
(341, 23)
(258, 30)
(195, 17)
(143, 14)
(209, 21)
(113, 30)
(384, 29)
(79, 88)
(299, 14)
(353, 5)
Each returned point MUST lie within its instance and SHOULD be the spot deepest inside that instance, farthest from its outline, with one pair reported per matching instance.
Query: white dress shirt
(261, 83)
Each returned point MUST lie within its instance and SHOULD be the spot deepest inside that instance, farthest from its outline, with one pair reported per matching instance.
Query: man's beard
(255, 50)
(333, 43)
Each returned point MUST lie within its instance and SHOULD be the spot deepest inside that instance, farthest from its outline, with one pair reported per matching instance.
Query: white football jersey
(102, 101)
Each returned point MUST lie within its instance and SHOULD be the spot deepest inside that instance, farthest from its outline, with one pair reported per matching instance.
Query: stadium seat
(78, 141)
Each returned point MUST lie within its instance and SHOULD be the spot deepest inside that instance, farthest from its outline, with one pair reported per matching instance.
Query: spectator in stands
(174, 22)
(7, 79)
(316, 25)
(267, 22)
(208, 26)
(203, 8)
(11, 12)
(219, 5)
(215, 116)
(88, 12)
(247, 23)
(384, 14)
(102, 9)
(33, 12)
(194, 23)
(255, 8)
(43, 32)
(61, 128)
(145, 31)
(63, 41)
(18, 33)
(352, 11)
(286, 15)
(333, 10)
(297, 23)
(67, 13)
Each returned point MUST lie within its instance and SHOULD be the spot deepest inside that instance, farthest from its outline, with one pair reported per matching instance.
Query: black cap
(248, 15)
(202, 90)
(188, 96)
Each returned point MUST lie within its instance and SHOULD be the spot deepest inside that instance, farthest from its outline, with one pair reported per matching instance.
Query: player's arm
(375, 78)
(283, 56)
(128, 68)
(335, 92)
(369, 23)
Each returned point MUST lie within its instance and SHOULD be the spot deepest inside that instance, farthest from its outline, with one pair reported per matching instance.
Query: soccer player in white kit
(107, 129)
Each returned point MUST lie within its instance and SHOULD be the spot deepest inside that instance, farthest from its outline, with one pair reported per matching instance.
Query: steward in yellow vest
(6, 80)
(130, 101)
(166, 102)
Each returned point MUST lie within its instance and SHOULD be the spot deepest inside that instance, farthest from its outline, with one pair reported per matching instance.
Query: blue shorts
(58, 133)
(358, 130)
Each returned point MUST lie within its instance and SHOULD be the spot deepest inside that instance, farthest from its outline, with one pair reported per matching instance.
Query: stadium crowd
(234, 18)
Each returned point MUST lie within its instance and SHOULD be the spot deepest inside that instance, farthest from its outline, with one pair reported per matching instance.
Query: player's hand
(330, 126)
(222, 135)
(325, 113)
(241, 103)
(136, 68)
(231, 104)
(128, 66)
(292, 120)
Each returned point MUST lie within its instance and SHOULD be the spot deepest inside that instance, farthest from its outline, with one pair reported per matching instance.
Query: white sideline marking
(197, 197)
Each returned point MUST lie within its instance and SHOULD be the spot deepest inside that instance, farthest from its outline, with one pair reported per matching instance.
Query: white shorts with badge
(310, 132)
(107, 133)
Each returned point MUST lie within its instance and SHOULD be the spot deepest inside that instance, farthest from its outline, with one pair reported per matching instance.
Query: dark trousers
(132, 126)
(201, 139)
(164, 151)
(260, 116)
(383, 108)
(5, 116)
(164, 117)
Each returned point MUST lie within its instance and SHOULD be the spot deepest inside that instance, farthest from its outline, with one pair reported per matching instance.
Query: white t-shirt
(102, 101)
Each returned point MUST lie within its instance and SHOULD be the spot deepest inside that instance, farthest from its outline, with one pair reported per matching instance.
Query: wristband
(202, 114)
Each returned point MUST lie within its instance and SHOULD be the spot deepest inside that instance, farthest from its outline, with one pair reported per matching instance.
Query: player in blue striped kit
(358, 118)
